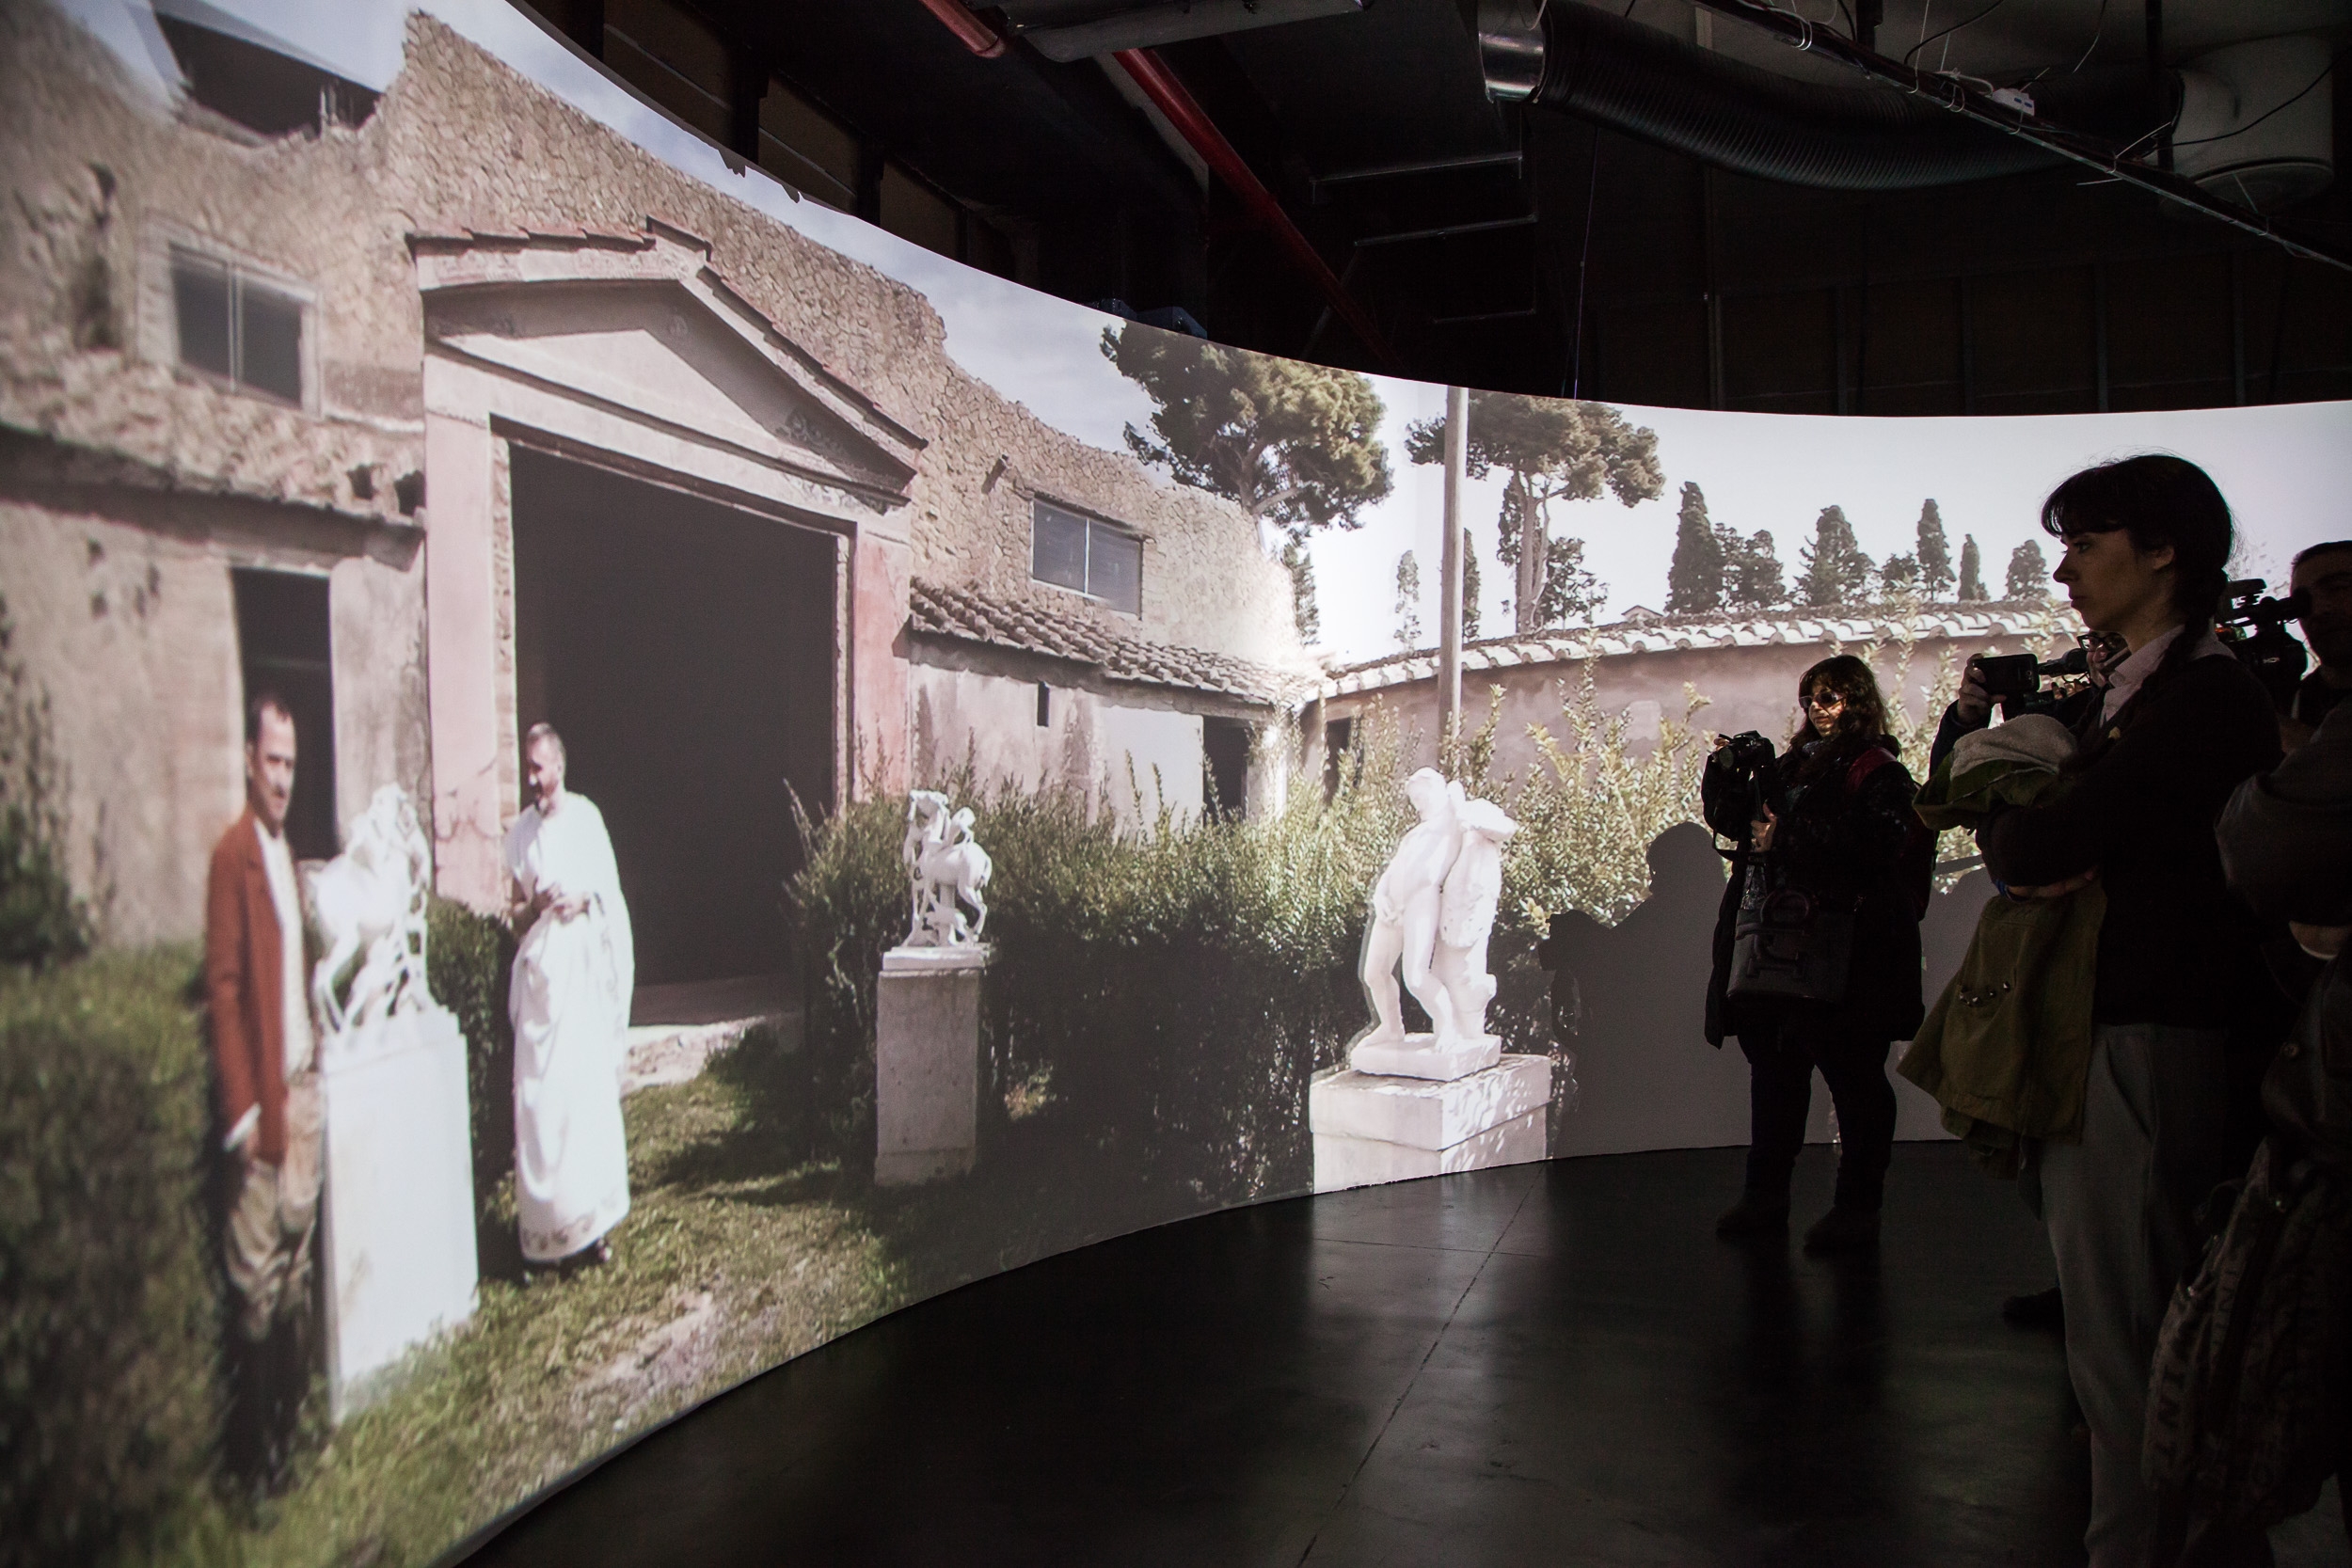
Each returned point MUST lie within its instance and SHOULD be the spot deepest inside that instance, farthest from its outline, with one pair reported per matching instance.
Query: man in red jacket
(264, 1055)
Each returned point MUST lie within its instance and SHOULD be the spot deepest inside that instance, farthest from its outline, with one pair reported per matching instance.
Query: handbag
(1787, 945)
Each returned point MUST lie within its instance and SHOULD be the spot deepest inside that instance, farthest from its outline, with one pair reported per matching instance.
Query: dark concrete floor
(1548, 1364)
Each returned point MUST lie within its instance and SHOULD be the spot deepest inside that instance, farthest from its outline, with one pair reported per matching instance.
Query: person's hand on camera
(1973, 702)
(2057, 889)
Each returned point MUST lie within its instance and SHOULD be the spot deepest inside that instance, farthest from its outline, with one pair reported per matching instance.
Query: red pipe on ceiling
(977, 36)
(1193, 123)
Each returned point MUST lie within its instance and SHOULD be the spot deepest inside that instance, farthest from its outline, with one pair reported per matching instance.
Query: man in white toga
(574, 974)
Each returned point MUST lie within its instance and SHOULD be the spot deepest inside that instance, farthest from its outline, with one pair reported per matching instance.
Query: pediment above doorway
(640, 332)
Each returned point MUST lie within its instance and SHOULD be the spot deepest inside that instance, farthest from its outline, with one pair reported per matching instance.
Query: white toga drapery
(569, 1003)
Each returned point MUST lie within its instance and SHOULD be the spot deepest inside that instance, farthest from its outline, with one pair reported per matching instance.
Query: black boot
(1844, 1228)
(1755, 1215)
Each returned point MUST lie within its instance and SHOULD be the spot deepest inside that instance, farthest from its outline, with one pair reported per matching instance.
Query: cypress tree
(1936, 555)
(1971, 571)
(1302, 571)
(1695, 583)
(1469, 587)
(1832, 569)
(1752, 575)
(1408, 602)
(2028, 573)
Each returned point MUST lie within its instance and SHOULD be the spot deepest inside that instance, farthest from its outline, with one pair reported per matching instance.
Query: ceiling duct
(2258, 122)
(1076, 29)
(1639, 82)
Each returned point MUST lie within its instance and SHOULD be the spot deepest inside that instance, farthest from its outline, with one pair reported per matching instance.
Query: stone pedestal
(1420, 1056)
(927, 1063)
(1374, 1127)
(396, 1236)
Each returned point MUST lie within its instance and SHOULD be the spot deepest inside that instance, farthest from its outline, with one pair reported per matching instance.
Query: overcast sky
(2286, 470)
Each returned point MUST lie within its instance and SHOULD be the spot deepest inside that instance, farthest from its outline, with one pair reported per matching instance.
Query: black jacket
(2177, 948)
(1842, 839)
(2286, 845)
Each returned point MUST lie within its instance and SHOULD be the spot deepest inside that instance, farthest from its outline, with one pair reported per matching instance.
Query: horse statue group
(946, 871)
(368, 905)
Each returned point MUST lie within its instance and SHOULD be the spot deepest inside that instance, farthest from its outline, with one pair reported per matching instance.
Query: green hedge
(1173, 990)
(110, 1322)
(470, 960)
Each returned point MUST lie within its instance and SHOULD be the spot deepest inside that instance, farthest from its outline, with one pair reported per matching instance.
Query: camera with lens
(2255, 629)
(2014, 680)
(1755, 764)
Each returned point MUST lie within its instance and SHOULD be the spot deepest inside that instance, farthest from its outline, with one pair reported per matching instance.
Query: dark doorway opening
(1225, 769)
(684, 651)
(285, 644)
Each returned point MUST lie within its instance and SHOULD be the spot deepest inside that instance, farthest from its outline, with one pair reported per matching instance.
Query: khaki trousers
(2119, 1206)
(273, 1217)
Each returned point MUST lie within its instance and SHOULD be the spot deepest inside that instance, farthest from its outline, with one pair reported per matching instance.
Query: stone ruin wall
(1748, 687)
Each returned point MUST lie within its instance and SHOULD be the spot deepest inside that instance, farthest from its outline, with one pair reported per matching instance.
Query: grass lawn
(733, 1258)
(725, 1264)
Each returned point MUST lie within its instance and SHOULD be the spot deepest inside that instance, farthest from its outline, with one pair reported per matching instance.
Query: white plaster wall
(1089, 744)
(130, 636)
(1150, 738)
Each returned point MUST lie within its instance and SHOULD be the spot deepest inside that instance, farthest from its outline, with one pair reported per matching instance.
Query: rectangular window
(235, 327)
(1044, 705)
(1087, 556)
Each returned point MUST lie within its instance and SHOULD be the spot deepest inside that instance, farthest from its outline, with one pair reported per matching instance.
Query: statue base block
(1418, 1056)
(1372, 1128)
(927, 1063)
(397, 1223)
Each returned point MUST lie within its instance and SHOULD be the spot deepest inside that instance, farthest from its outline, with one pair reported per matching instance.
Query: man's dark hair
(2327, 548)
(2159, 500)
(262, 702)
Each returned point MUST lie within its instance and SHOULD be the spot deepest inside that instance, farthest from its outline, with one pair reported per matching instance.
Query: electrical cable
(2196, 141)
(1953, 28)
(2098, 31)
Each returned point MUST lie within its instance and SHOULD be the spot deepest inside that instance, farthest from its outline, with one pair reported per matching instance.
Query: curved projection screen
(405, 368)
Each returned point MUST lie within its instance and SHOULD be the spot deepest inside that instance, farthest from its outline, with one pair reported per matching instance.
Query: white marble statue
(946, 870)
(1431, 911)
(1465, 915)
(369, 904)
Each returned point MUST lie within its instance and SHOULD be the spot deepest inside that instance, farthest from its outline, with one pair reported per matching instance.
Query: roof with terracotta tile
(935, 610)
(1652, 633)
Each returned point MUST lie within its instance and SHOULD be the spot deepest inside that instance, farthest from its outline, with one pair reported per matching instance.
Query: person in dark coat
(1844, 830)
(2180, 725)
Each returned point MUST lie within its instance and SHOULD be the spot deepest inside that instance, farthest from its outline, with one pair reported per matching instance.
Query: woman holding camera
(2179, 726)
(1840, 830)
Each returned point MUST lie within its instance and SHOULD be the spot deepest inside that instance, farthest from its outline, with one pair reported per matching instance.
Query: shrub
(1174, 986)
(42, 921)
(109, 1311)
(470, 959)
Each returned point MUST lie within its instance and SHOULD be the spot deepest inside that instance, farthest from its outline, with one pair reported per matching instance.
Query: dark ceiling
(1543, 253)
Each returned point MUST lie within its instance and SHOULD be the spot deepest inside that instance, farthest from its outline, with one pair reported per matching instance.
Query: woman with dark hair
(2182, 723)
(1841, 834)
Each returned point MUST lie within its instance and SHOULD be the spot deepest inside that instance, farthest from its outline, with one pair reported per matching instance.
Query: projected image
(609, 773)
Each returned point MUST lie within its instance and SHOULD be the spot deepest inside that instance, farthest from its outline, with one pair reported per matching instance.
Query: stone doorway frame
(629, 352)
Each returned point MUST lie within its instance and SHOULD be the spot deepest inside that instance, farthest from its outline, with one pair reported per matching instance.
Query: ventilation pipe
(2258, 122)
(1635, 80)
(1911, 129)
